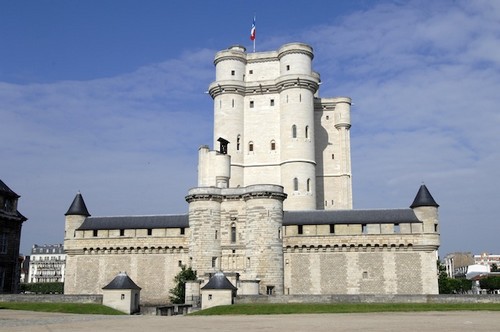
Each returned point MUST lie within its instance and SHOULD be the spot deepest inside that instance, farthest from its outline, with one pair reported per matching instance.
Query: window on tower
(251, 103)
(294, 131)
(295, 184)
(308, 185)
(307, 131)
(271, 103)
(250, 146)
(273, 145)
(233, 232)
(232, 73)
(238, 139)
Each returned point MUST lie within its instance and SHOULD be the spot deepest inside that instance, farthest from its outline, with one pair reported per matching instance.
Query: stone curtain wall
(360, 273)
(153, 272)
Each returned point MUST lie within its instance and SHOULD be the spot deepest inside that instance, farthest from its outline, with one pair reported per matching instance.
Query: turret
(75, 216)
(297, 84)
(426, 209)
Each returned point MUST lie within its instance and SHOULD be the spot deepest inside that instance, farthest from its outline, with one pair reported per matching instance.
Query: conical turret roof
(423, 198)
(78, 207)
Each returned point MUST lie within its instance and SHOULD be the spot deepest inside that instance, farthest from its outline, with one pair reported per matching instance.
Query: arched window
(250, 146)
(273, 145)
(233, 232)
(294, 131)
(308, 185)
(238, 139)
(307, 131)
(295, 184)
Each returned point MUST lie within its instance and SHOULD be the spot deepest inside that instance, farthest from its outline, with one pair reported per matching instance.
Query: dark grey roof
(423, 198)
(135, 222)
(320, 217)
(121, 281)
(78, 207)
(219, 281)
(4, 189)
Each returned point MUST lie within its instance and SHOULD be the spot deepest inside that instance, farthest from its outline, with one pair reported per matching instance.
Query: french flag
(252, 31)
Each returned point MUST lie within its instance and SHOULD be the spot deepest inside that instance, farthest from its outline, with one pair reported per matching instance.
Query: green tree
(450, 285)
(490, 283)
(178, 293)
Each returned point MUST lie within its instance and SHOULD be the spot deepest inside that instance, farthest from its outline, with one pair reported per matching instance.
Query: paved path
(26, 321)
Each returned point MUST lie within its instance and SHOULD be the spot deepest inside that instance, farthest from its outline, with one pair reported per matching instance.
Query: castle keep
(273, 205)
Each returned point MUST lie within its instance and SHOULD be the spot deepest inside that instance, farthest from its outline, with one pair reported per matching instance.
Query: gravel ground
(26, 321)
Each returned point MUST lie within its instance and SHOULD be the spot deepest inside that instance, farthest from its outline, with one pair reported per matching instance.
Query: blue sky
(108, 97)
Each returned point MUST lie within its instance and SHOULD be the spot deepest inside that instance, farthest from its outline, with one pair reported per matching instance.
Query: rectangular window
(95, 233)
(397, 229)
(435, 228)
(269, 290)
(271, 102)
(287, 67)
(332, 229)
(214, 262)
(182, 231)
(3, 242)
(300, 229)
(251, 103)
(364, 229)
(150, 231)
(250, 71)
(232, 73)
(122, 232)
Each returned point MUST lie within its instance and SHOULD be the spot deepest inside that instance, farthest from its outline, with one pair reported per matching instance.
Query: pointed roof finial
(78, 207)
(423, 198)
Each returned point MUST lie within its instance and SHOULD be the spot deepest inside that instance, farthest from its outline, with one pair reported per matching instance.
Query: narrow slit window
(294, 131)
(308, 185)
(251, 103)
(233, 233)
(307, 131)
(238, 139)
(332, 229)
(287, 67)
(295, 184)
(233, 72)
(150, 231)
(271, 102)
(300, 229)
(250, 146)
(273, 145)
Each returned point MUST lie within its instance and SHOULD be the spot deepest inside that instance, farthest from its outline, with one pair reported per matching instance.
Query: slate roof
(78, 207)
(325, 217)
(219, 281)
(423, 198)
(136, 222)
(122, 281)
(4, 189)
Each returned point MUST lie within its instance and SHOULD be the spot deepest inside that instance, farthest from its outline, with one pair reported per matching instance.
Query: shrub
(43, 288)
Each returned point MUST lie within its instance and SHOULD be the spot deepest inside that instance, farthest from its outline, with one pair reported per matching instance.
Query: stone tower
(280, 132)
(75, 216)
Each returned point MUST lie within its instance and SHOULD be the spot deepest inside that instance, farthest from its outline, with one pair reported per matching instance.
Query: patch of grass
(318, 308)
(73, 308)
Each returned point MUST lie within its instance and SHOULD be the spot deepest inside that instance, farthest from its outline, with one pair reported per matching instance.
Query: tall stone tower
(280, 132)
